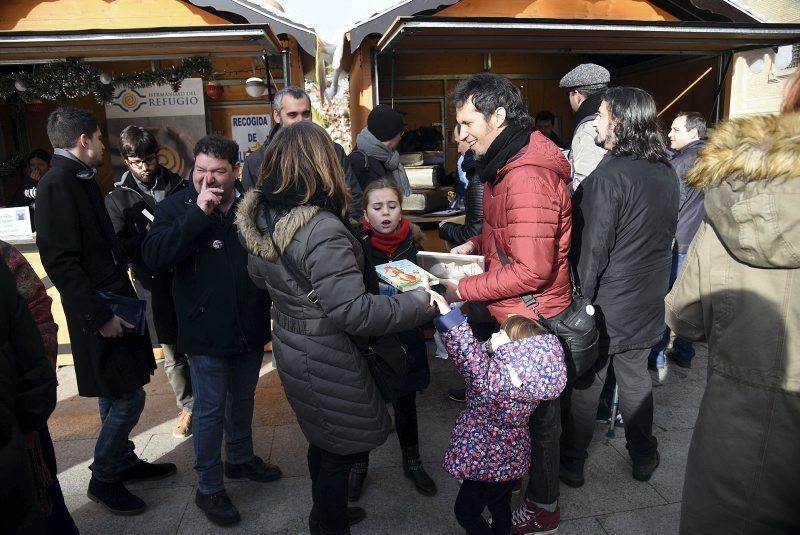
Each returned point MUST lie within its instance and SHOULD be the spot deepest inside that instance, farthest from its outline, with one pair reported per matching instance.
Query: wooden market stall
(678, 52)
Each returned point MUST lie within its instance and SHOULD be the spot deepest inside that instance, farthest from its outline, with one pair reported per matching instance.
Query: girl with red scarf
(387, 236)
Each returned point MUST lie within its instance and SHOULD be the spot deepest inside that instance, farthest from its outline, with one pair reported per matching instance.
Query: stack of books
(423, 170)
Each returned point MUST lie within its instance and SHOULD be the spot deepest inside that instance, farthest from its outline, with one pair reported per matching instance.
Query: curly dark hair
(489, 92)
(218, 147)
(636, 127)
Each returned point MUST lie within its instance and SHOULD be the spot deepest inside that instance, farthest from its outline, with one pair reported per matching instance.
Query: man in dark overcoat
(81, 255)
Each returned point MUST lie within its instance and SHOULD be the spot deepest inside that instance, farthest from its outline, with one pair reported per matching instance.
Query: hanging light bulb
(105, 78)
(255, 87)
(20, 85)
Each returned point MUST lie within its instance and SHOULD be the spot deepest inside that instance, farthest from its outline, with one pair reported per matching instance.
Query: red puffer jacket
(528, 212)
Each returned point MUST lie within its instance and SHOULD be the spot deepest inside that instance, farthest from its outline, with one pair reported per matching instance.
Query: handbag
(576, 327)
(387, 359)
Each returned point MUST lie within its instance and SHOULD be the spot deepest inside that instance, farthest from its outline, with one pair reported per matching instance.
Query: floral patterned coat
(491, 440)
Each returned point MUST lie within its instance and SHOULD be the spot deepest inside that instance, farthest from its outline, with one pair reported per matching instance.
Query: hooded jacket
(491, 437)
(132, 212)
(326, 380)
(739, 291)
(528, 213)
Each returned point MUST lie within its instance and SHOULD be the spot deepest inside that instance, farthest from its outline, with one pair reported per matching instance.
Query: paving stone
(668, 478)
(676, 405)
(393, 505)
(611, 501)
(581, 526)
(609, 486)
(290, 451)
(653, 520)
(277, 507)
(164, 513)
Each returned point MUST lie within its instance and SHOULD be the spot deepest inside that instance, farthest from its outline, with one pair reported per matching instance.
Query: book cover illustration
(403, 275)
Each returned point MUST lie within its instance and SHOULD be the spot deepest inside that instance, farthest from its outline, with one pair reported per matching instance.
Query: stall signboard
(15, 224)
(250, 132)
(176, 118)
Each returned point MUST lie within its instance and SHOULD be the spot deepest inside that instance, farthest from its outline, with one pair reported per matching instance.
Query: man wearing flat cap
(375, 155)
(585, 83)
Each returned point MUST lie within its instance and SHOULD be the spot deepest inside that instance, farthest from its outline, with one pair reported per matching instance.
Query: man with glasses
(132, 206)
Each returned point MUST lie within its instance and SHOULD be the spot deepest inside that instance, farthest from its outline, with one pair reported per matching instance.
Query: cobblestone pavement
(611, 501)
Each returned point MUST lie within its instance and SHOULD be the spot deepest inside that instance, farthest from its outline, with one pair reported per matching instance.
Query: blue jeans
(113, 451)
(223, 388)
(682, 350)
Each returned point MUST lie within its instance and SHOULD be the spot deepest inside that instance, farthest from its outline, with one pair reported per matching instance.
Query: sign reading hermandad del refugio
(176, 119)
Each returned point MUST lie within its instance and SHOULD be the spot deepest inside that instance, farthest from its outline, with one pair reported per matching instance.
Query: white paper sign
(250, 132)
(15, 223)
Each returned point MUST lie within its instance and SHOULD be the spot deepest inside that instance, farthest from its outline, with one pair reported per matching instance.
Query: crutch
(614, 406)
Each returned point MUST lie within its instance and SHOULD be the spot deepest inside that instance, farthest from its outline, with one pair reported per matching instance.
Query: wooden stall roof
(257, 13)
(451, 34)
(132, 44)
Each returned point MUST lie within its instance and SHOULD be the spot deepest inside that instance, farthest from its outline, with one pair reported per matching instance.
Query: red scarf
(388, 243)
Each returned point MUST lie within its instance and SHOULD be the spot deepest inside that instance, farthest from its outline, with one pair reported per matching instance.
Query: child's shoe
(531, 519)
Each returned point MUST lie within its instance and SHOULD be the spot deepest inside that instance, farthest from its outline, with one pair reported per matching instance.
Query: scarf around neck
(372, 146)
(588, 107)
(388, 243)
(505, 146)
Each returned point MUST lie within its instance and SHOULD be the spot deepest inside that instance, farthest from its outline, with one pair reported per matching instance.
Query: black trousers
(635, 403)
(329, 475)
(474, 496)
(405, 424)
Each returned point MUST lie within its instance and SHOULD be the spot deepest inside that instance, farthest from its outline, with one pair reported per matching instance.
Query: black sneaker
(643, 468)
(570, 472)
(457, 394)
(255, 470)
(146, 471)
(115, 497)
(218, 508)
(354, 516)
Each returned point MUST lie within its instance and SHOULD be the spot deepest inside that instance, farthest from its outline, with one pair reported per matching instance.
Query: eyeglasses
(150, 160)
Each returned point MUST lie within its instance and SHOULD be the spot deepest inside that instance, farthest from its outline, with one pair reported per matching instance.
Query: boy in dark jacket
(222, 320)
(132, 206)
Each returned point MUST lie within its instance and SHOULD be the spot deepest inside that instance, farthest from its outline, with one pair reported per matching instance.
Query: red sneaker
(529, 519)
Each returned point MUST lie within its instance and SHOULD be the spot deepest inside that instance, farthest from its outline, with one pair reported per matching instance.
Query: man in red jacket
(527, 220)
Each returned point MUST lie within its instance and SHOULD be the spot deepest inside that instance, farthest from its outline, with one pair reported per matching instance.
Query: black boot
(354, 516)
(413, 469)
(355, 485)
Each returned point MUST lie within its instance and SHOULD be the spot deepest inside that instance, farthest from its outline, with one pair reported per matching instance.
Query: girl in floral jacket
(506, 378)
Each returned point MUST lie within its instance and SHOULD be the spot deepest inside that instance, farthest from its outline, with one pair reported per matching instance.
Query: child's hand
(441, 302)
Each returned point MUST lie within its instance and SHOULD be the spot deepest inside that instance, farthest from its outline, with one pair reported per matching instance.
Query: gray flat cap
(586, 76)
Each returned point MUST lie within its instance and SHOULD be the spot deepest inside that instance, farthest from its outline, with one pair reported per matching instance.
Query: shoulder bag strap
(528, 299)
(289, 264)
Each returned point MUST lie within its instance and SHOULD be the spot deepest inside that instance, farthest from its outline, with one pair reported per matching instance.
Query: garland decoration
(74, 78)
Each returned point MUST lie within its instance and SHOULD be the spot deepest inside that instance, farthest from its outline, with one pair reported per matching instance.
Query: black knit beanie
(384, 123)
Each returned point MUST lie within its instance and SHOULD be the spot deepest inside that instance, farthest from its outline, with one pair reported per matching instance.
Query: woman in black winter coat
(303, 251)
(388, 236)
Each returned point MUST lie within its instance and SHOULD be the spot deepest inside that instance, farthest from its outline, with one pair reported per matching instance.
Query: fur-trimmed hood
(251, 223)
(750, 169)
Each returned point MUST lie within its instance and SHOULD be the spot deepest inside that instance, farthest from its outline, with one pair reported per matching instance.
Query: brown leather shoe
(183, 427)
